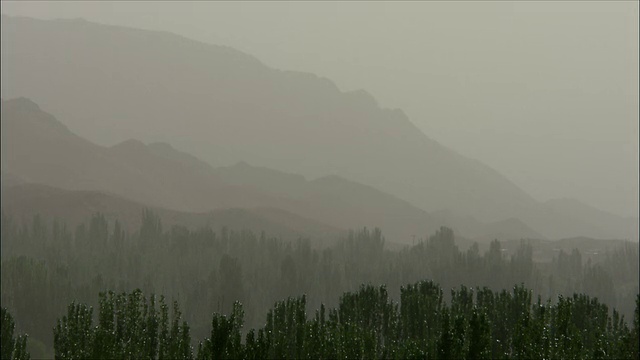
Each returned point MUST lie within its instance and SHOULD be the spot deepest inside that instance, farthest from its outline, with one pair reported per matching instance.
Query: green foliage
(479, 337)
(46, 266)
(225, 339)
(635, 333)
(12, 348)
(365, 324)
(74, 334)
(128, 328)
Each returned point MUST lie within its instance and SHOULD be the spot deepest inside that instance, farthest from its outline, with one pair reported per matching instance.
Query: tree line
(475, 324)
(46, 266)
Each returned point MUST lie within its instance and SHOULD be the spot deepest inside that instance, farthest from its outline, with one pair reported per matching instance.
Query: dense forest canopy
(46, 266)
(365, 324)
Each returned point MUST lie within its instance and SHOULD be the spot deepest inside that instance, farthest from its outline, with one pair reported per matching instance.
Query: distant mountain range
(22, 202)
(38, 149)
(112, 83)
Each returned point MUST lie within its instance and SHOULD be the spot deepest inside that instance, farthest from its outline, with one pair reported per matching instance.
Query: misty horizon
(579, 152)
(319, 180)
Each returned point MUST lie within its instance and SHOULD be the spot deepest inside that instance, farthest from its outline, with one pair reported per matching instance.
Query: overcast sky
(544, 92)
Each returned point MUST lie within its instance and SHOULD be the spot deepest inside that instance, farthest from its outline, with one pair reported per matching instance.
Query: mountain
(335, 192)
(22, 202)
(597, 223)
(225, 106)
(503, 229)
(38, 148)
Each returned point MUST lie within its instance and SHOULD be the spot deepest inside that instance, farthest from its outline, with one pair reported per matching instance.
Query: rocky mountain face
(112, 83)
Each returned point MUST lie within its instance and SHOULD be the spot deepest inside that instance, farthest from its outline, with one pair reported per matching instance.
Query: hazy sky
(544, 92)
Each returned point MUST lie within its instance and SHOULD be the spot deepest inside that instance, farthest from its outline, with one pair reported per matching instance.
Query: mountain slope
(602, 224)
(113, 83)
(225, 106)
(39, 149)
(24, 201)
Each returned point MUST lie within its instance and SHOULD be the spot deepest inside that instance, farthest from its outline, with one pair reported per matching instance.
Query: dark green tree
(479, 336)
(12, 348)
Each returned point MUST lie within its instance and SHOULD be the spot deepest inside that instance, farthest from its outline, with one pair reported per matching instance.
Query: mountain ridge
(248, 102)
(76, 207)
(162, 176)
(224, 106)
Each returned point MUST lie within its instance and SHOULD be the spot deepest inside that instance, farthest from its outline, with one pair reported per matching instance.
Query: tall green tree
(12, 348)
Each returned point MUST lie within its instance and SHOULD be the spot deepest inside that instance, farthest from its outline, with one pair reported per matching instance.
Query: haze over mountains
(224, 107)
(23, 202)
(158, 175)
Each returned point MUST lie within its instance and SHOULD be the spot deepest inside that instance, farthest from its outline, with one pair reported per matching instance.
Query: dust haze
(388, 162)
(556, 84)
